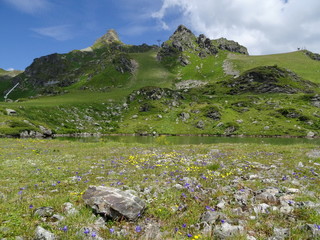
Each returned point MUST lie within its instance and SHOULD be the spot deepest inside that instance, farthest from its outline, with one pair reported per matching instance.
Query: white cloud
(10, 69)
(29, 6)
(60, 33)
(262, 26)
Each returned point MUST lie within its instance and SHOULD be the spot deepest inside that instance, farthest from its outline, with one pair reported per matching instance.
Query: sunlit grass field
(178, 182)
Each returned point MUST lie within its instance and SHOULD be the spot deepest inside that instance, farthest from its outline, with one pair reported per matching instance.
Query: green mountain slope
(297, 62)
(191, 85)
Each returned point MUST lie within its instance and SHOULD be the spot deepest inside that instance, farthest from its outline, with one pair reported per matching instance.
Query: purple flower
(111, 230)
(184, 225)
(138, 229)
(86, 231)
(65, 228)
(176, 229)
(30, 206)
(223, 221)
(20, 192)
(183, 195)
(58, 182)
(93, 234)
(189, 235)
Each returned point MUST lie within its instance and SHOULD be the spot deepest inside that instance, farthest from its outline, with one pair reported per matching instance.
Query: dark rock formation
(313, 56)
(112, 203)
(229, 45)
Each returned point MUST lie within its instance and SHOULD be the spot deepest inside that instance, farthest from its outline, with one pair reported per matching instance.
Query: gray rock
(286, 209)
(313, 229)
(184, 116)
(261, 208)
(227, 230)
(280, 234)
(314, 154)
(267, 197)
(211, 216)
(152, 232)
(56, 218)
(113, 203)
(69, 209)
(11, 112)
(200, 124)
(43, 234)
(44, 212)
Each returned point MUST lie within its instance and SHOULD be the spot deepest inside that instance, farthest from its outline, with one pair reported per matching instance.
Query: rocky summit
(110, 37)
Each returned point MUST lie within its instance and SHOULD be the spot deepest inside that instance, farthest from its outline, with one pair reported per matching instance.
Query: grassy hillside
(92, 105)
(297, 62)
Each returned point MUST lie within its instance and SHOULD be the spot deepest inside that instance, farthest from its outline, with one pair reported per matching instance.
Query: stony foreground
(220, 191)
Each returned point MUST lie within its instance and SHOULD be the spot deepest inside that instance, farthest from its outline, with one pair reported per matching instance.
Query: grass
(37, 173)
(297, 62)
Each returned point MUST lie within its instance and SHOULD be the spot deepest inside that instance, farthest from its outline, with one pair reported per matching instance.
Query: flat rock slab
(114, 203)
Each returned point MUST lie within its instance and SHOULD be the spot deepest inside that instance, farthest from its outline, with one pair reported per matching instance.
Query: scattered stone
(152, 231)
(69, 209)
(200, 124)
(280, 234)
(261, 208)
(227, 230)
(113, 203)
(286, 209)
(211, 216)
(56, 218)
(314, 154)
(313, 229)
(43, 234)
(11, 112)
(184, 116)
(44, 212)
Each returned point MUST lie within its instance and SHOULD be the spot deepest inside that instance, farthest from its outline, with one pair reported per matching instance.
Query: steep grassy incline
(150, 72)
(297, 62)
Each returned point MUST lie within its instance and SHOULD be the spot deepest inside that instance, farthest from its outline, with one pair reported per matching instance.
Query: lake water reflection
(179, 140)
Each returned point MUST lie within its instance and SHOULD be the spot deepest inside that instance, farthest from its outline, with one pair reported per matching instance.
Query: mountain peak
(110, 37)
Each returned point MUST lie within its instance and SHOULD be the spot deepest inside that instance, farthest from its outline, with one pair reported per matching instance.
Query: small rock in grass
(43, 234)
(69, 209)
(280, 233)
(227, 230)
(261, 208)
(44, 212)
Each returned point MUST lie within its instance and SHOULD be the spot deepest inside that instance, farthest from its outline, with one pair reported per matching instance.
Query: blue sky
(34, 28)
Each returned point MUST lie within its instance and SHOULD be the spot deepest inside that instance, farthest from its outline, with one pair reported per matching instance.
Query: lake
(179, 140)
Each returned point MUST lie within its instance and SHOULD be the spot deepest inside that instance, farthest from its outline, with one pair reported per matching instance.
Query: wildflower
(20, 192)
(65, 228)
(31, 206)
(189, 235)
(138, 229)
(111, 230)
(223, 221)
(86, 231)
(93, 234)
(184, 225)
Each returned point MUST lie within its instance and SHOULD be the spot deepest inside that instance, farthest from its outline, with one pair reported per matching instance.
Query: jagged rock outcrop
(110, 37)
(229, 45)
(183, 40)
(269, 79)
